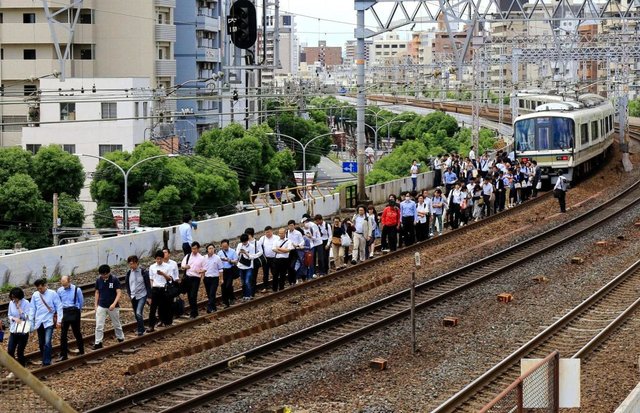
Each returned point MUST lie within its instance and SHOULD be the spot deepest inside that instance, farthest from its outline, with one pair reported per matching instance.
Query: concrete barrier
(379, 193)
(632, 403)
(25, 267)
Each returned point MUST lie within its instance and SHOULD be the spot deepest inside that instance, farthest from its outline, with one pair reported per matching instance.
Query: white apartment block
(113, 118)
(389, 50)
(115, 38)
(288, 49)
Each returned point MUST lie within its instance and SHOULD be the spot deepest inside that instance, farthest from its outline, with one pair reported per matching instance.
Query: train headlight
(562, 158)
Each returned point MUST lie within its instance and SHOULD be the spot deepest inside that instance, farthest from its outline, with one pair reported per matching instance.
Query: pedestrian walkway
(330, 173)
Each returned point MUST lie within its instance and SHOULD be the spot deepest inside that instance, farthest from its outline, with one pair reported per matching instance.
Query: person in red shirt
(390, 225)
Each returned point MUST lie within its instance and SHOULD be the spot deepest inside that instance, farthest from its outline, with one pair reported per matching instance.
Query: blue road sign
(351, 167)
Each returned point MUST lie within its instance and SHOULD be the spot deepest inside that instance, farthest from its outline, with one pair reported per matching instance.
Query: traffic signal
(242, 24)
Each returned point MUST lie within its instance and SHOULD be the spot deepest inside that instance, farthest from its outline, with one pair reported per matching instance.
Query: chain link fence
(537, 390)
(22, 392)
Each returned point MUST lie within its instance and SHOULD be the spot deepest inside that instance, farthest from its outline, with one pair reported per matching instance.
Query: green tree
(398, 162)
(70, 211)
(379, 175)
(24, 216)
(56, 171)
(14, 160)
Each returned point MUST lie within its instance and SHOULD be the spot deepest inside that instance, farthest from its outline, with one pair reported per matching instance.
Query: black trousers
(321, 256)
(227, 286)
(454, 215)
(562, 200)
(486, 208)
(194, 286)
(160, 304)
(281, 268)
(268, 268)
(18, 342)
(186, 248)
(64, 339)
(389, 237)
(408, 230)
(422, 231)
(211, 288)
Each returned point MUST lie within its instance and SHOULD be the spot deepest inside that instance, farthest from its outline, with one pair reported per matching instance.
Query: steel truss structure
(74, 6)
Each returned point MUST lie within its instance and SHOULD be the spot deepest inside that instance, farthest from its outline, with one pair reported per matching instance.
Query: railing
(280, 197)
(537, 389)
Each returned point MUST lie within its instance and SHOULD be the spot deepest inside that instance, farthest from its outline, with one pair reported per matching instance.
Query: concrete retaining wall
(632, 403)
(24, 267)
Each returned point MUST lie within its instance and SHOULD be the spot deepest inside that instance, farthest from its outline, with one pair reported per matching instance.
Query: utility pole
(55, 220)
(361, 6)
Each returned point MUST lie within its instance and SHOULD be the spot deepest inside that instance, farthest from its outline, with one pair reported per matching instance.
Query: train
(566, 136)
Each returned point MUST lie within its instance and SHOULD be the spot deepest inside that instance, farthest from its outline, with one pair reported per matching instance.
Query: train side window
(594, 130)
(584, 134)
(521, 103)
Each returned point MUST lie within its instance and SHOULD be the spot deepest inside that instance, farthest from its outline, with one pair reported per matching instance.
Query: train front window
(544, 133)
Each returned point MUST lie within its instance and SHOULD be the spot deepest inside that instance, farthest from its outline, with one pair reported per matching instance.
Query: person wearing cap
(560, 192)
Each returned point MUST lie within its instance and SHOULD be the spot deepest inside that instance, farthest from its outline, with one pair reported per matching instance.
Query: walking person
(360, 235)
(322, 254)
(374, 228)
(229, 259)
(18, 313)
(438, 204)
(186, 233)
(414, 174)
(45, 304)
(107, 299)
(193, 263)
(246, 254)
(312, 233)
(266, 244)
(138, 287)
(159, 274)
(537, 176)
(213, 269)
(487, 195)
(560, 192)
(336, 243)
(390, 225)
(423, 213)
(72, 302)
(408, 217)
(282, 248)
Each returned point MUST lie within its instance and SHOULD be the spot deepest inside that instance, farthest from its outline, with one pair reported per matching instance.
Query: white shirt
(358, 222)
(561, 184)
(173, 269)
(158, 280)
(314, 231)
(282, 243)
(295, 237)
(325, 230)
(423, 207)
(457, 196)
(267, 245)
(472, 155)
(487, 189)
(212, 266)
(414, 171)
(251, 253)
(186, 234)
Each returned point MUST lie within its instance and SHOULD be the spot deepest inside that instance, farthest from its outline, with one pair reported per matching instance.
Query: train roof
(559, 109)
(555, 102)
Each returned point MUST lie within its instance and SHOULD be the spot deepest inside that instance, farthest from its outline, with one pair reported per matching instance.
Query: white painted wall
(379, 193)
(89, 255)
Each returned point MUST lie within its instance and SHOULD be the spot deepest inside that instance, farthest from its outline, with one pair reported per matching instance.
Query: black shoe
(227, 306)
(140, 334)
(149, 330)
(97, 346)
(353, 262)
(81, 353)
(120, 340)
(62, 358)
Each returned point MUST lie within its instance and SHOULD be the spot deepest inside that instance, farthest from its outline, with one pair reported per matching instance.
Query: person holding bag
(45, 304)
(72, 302)
(19, 325)
(336, 243)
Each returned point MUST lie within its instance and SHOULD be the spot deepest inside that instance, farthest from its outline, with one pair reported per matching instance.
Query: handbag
(21, 328)
(261, 261)
(345, 240)
(245, 261)
(517, 185)
(539, 185)
(308, 259)
(336, 240)
(171, 289)
(71, 314)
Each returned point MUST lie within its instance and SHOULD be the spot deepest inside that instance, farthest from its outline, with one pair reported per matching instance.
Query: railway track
(181, 325)
(222, 378)
(575, 335)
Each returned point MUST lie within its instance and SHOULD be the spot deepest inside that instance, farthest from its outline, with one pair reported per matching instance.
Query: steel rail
(383, 308)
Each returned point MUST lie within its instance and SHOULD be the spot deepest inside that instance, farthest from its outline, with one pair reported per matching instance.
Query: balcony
(165, 33)
(39, 33)
(207, 54)
(207, 23)
(165, 3)
(165, 67)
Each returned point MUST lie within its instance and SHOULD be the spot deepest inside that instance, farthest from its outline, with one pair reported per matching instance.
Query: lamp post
(304, 152)
(125, 174)
(376, 130)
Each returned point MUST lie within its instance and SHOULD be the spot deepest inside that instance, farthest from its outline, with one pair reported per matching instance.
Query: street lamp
(126, 177)
(304, 152)
(376, 130)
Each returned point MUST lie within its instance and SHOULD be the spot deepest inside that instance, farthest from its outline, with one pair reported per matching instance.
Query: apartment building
(288, 50)
(116, 38)
(326, 56)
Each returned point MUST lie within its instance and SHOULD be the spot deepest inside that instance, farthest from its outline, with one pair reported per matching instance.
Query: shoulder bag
(184, 283)
(345, 240)
(72, 314)
(20, 328)
(261, 261)
(234, 268)
(172, 289)
(55, 315)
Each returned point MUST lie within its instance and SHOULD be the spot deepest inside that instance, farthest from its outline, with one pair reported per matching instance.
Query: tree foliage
(25, 216)
(14, 160)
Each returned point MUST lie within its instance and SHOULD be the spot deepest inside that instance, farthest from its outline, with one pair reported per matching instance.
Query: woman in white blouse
(423, 212)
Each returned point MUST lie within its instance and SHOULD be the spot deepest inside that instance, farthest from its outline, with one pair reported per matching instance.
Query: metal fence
(537, 389)
(22, 392)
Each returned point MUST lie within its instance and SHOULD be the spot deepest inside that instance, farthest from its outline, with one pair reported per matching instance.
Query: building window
(86, 17)
(136, 109)
(29, 18)
(86, 54)
(145, 109)
(1, 18)
(1, 54)
(67, 111)
(109, 110)
(13, 123)
(70, 149)
(105, 149)
(29, 54)
(30, 90)
(286, 20)
(33, 147)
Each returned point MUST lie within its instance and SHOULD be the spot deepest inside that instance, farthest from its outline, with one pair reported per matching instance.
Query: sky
(330, 20)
